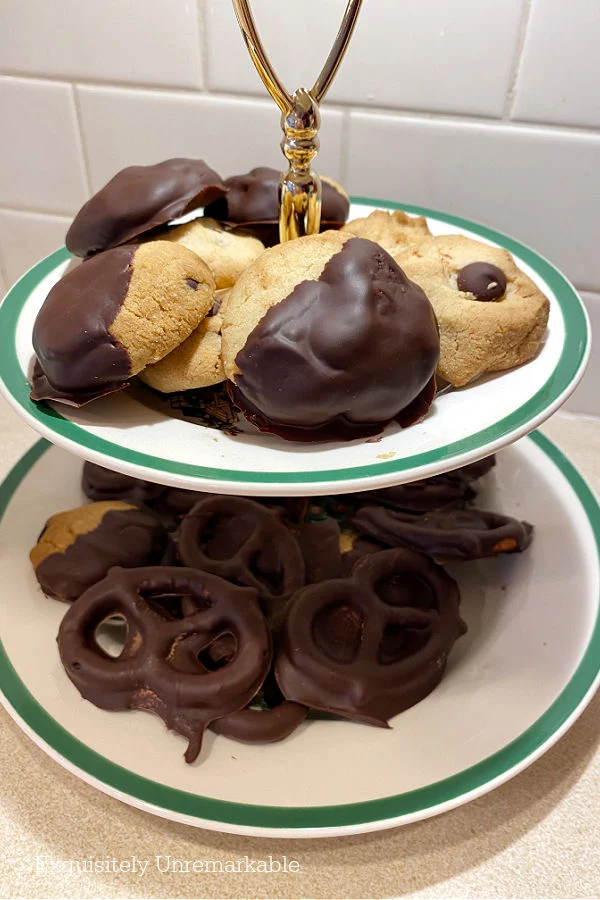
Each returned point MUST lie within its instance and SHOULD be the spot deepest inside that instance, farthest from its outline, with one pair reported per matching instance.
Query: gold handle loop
(300, 186)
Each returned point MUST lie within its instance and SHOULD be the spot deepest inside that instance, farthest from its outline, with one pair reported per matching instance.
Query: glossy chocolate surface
(245, 542)
(138, 199)
(99, 483)
(79, 359)
(124, 537)
(371, 645)
(484, 280)
(447, 535)
(253, 198)
(164, 666)
(341, 356)
(261, 726)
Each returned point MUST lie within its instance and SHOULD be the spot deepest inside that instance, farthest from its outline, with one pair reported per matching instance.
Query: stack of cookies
(329, 337)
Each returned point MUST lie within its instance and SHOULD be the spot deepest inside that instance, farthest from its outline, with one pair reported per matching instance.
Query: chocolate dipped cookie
(77, 548)
(491, 315)
(325, 338)
(140, 198)
(114, 315)
(252, 204)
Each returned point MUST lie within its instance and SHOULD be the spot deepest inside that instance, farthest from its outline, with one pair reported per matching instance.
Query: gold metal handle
(300, 186)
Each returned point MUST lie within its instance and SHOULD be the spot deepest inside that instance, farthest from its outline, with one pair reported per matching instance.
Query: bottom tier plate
(515, 683)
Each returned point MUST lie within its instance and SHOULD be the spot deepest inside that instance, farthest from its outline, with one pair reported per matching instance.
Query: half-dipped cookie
(252, 203)
(118, 313)
(491, 315)
(140, 198)
(78, 547)
(325, 338)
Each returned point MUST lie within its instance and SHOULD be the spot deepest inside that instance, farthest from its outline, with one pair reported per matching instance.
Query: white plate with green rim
(515, 683)
(121, 433)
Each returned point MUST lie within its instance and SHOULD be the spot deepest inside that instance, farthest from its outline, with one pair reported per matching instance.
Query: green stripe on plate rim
(572, 355)
(252, 815)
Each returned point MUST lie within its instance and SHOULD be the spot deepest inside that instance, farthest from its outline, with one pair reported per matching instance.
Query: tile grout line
(33, 211)
(81, 141)
(349, 107)
(511, 92)
(595, 291)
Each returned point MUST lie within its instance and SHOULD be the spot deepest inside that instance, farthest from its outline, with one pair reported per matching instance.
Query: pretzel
(197, 648)
(244, 542)
(447, 535)
(371, 645)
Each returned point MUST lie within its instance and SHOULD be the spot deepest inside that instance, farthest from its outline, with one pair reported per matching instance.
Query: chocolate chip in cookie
(457, 273)
(484, 281)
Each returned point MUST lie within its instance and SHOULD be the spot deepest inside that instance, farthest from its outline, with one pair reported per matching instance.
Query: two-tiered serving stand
(529, 663)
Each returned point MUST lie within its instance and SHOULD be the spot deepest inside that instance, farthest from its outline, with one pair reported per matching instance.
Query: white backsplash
(485, 110)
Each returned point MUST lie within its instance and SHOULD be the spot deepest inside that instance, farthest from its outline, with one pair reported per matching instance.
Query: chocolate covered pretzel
(189, 667)
(371, 645)
(244, 542)
(447, 535)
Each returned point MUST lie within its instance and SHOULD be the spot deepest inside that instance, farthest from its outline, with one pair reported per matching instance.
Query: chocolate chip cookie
(114, 315)
(491, 315)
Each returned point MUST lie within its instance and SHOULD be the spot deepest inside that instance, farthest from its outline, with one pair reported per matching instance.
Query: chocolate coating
(319, 543)
(447, 535)
(361, 546)
(163, 667)
(369, 646)
(78, 357)
(261, 726)
(244, 542)
(484, 280)
(99, 483)
(425, 495)
(473, 471)
(138, 199)
(252, 198)
(124, 537)
(342, 356)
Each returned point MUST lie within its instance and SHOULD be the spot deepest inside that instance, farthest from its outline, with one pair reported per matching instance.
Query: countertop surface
(536, 836)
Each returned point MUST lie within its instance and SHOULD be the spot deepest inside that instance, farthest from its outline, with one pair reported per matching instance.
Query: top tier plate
(463, 425)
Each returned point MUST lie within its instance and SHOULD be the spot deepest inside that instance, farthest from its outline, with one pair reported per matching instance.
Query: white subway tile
(560, 68)
(586, 398)
(451, 57)
(123, 127)
(540, 185)
(295, 47)
(40, 161)
(27, 237)
(141, 41)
